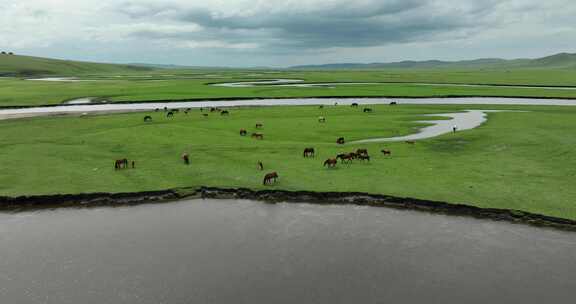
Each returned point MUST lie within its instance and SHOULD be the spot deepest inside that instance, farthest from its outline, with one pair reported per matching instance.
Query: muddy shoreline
(86, 200)
(280, 98)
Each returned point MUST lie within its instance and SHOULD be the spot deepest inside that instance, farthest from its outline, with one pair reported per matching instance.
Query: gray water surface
(225, 251)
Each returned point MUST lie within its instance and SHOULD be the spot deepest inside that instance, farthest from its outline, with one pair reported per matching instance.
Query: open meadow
(516, 160)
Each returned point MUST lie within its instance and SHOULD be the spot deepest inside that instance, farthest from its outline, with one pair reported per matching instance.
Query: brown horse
(340, 141)
(331, 162)
(259, 136)
(121, 164)
(387, 152)
(186, 158)
(346, 157)
(362, 152)
(243, 132)
(364, 157)
(309, 152)
(270, 178)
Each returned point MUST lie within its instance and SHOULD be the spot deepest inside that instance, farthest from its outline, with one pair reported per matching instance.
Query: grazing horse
(147, 118)
(331, 163)
(121, 163)
(309, 152)
(243, 132)
(362, 152)
(340, 141)
(354, 105)
(410, 142)
(258, 136)
(225, 113)
(270, 178)
(386, 152)
(259, 126)
(205, 114)
(346, 157)
(186, 158)
(170, 114)
(393, 103)
(322, 119)
(364, 157)
(367, 110)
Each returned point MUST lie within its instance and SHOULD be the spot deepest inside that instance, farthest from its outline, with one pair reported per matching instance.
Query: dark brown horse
(362, 152)
(331, 162)
(224, 113)
(205, 115)
(243, 132)
(340, 141)
(147, 118)
(393, 103)
(309, 152)
(367, 110)
(121, 164)
(346, 157)
(259, 136)
(364, 157)
(259, 126)
(354, 105)
(270, 178)
(170, 114)
(386, 152)
(186, 158)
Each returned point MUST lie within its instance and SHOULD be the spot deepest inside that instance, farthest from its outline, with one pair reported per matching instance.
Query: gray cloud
(338, 24)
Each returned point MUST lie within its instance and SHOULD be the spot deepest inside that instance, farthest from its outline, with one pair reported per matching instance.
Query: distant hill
(562, 61)
(27, 66)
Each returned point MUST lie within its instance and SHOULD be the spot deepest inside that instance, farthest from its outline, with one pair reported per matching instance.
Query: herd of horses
(271, 178)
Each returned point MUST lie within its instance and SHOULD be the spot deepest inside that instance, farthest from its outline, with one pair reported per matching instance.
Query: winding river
(225, 251)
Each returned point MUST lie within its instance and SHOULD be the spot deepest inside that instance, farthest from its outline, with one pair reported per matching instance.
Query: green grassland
(125, 83)
(180, 85)
(517, 160)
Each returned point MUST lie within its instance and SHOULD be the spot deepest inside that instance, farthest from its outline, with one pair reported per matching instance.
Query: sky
(280, 33)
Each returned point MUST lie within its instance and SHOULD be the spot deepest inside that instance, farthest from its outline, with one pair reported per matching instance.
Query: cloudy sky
(286, 32)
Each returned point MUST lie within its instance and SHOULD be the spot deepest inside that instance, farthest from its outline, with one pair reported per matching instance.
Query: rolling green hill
(25, 66)
(558, 61)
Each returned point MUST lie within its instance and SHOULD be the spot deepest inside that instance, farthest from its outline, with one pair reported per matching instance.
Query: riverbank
(86, 200)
